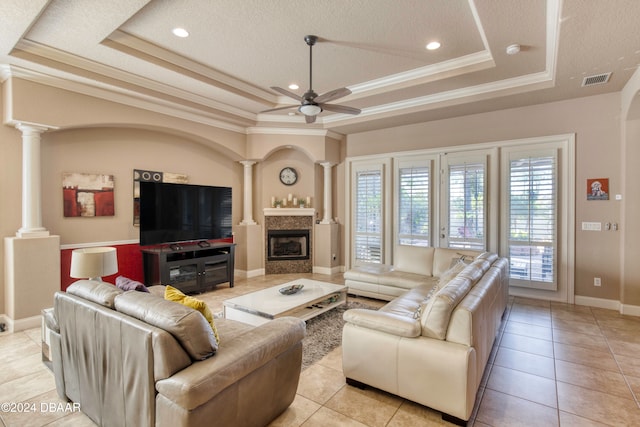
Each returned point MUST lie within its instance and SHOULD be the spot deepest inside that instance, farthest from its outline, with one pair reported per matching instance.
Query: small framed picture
(598, 189)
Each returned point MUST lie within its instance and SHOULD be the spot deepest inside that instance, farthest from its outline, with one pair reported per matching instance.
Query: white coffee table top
(271, 302)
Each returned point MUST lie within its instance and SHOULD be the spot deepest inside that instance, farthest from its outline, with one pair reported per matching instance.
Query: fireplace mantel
(289, 212)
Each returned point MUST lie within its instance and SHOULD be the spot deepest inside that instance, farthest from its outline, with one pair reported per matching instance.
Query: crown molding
(446, 69)
(139, 48)
(107, 76)
(500, 88)
(122, 96)
(257, 130)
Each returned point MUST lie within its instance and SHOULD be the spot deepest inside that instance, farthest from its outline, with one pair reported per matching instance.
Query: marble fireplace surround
(288, 219)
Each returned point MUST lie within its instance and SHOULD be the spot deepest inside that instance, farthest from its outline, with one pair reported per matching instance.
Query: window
(413, 205)
(368, 216)
(532, 220)
(466, 205)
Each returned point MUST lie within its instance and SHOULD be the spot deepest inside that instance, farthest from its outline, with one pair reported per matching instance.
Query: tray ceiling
(237, 49)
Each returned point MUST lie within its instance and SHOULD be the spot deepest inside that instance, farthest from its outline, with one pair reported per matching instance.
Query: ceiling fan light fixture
(310, 109)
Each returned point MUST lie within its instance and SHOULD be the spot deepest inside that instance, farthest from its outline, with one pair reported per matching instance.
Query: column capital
(247, 163)
(327, 164)
(28, 128)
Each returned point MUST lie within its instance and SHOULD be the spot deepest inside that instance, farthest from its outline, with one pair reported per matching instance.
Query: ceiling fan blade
(278, 109)
(340, 109)
(333, 94)
(310, 119)
(286, 93)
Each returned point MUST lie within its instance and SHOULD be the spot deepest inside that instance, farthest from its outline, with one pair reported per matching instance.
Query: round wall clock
(288, 176)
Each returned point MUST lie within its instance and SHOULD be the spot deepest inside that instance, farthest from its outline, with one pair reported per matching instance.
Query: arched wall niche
(118, 151)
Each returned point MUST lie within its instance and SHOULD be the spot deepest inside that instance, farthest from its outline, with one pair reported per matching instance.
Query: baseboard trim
(597, 302)
(630, 310)
(244, 274)
(329, 271)
(21, 324)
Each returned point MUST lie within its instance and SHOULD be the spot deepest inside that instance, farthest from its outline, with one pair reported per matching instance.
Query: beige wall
(105, 137)
(596, 123)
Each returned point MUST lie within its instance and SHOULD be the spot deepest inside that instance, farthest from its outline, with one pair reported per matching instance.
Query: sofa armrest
(51, 321)
(390, 323)
(235, 359)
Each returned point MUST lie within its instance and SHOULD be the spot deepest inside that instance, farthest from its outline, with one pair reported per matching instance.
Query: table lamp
(93, 263)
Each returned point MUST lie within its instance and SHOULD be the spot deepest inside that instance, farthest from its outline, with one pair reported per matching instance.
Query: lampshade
(93, 263)
(310, 109)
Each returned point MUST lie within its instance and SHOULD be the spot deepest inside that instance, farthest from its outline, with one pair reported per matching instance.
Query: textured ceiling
(238, 49)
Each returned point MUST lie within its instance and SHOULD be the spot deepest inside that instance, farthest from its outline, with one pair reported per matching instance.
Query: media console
(191, 268)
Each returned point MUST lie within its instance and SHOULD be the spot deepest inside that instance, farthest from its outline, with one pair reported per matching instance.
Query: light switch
(591, 226)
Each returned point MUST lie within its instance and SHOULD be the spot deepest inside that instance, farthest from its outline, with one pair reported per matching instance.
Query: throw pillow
(173, 294)
(127, 284)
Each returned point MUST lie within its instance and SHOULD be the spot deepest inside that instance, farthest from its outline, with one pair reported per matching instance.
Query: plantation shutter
(368, 216)
(467, 205)
(413, 206)
(533, 221)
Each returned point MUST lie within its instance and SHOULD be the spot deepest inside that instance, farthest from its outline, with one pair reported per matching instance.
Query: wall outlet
(597, 281)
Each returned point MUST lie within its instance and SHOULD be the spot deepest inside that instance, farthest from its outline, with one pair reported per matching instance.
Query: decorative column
(248, 192)
(31, 182)
(327, 209)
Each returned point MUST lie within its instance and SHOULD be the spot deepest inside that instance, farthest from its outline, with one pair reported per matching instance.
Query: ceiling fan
(312, 104)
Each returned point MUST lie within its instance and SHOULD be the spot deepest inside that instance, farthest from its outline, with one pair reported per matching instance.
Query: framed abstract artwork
(87, 195)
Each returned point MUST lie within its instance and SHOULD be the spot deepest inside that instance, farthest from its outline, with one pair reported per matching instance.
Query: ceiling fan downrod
(311, 41)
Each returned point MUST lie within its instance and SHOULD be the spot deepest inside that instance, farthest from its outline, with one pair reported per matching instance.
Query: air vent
(598, 79)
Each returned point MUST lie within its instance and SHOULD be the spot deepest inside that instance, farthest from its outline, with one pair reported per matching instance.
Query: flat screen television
(174, 213)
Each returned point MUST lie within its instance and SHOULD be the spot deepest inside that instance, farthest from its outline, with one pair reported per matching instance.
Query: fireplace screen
(288, 245)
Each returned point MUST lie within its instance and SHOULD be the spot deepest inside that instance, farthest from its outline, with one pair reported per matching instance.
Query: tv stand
(191, 268)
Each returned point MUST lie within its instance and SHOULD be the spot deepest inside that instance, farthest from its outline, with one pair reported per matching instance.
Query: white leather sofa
(413, 266)
(431, 344)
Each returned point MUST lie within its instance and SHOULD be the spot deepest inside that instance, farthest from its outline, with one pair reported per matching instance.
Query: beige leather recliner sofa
(135, 359)
(431, 344)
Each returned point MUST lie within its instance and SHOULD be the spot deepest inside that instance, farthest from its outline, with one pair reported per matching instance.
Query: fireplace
(288, 240)
(287, 245)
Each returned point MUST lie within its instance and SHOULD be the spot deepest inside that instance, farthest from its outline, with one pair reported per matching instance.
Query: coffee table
(259, 307)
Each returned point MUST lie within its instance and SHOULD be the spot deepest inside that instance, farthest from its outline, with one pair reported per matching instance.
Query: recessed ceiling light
(513, 49)
(294, 86)
(180, 32)
(433, 45)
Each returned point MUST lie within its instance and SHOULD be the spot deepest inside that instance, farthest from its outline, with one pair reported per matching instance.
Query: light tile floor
(552, 365)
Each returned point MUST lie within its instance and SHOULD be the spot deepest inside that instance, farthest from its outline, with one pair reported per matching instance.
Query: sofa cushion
(187, 325)
(367, 272)
(127, 284)
(173, 294)
(452, 272)
(98, 292)
(414, 259)
(402, 279)
(437, 311)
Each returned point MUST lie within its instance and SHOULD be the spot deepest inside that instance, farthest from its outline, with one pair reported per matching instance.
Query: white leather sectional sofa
(431, 344)
(413, 266)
